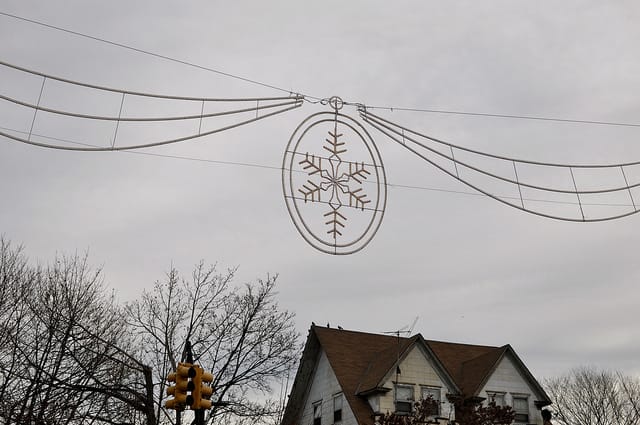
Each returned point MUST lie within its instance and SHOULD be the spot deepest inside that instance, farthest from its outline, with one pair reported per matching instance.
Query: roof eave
(307, 366)
(375, 390)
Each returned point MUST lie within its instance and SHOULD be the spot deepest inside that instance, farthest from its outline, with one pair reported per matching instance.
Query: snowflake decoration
(335, 183)
(337, 177)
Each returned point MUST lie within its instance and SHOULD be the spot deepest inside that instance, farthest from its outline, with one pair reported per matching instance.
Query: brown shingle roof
(361, 361)
(468, 365)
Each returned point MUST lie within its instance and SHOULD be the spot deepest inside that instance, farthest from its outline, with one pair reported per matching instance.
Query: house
(351, 378)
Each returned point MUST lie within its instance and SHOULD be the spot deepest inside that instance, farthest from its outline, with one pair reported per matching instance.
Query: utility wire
(278, 168)
(147, 52)
(314, 99)
(511, 116)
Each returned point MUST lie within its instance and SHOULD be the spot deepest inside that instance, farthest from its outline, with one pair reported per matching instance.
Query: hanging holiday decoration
(333, 179)
(334, 182)
(447, 158)
(212, 115)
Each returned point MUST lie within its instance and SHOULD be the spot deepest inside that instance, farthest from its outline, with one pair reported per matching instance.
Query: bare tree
(15, 278)
(588, 396)
(468, 411)
(424, 412)
(237, 332)
(70, 354)
(471, 412)
(64, 354)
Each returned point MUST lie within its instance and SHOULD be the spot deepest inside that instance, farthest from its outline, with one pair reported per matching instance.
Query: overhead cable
(509, 116)
(147, 52)
(315, 99)
(279, 168)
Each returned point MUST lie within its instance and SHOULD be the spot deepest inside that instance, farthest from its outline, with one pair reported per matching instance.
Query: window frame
(337, 413)
(522, 416)
(317, 412)
(493, 395)
(404, 401)
(432, 390)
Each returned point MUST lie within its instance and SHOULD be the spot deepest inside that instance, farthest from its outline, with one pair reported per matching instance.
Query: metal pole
(199, 417)
(187, 347)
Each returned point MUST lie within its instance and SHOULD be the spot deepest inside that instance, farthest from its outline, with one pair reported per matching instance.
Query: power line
(147, 52)
(315, 99)
(511, 116)
(278, 168)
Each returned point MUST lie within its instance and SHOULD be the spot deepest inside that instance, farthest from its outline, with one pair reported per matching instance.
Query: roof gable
(467, 364)
(382, 363)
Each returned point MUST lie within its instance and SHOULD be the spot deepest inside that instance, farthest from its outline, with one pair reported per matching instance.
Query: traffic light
(202, 391)
(191, 389)
(183, 384)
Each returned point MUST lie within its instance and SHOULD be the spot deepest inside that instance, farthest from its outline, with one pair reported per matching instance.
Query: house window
(434, 393)
(317, 413)
(337, 408)
(497, 398)
(404, 399)
(521, 407)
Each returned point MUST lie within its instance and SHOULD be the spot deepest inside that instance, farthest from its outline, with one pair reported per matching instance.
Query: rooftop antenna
(407, 329)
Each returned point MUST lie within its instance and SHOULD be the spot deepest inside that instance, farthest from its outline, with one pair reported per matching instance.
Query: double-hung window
(337, 408)
(317, 413)
(521, 407)
(404, 399)
(434, 393)
(497, 398)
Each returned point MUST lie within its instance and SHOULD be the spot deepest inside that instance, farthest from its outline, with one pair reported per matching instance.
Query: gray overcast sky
(562, 294)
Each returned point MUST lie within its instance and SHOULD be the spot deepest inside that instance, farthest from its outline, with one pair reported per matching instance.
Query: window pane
(317, 413)
(497, 398)
(404, 393)
(337, 402)
(433, 392)
(337, 408)
(403, 407)
(520, 405)
(521, 418)
(404, 399)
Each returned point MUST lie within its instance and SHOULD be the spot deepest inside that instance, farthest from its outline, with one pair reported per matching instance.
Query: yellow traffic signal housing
(191, 388)
(182, 385)
(202, 391)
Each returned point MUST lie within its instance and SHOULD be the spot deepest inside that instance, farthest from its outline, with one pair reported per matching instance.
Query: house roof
(468, 365)
(362, 361)
(359, 361)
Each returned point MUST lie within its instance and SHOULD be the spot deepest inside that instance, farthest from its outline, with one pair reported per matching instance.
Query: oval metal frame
(324, 244)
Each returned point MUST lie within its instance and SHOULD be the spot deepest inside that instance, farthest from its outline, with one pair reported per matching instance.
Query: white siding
(324, 386)
(416, 370)
(508, 380)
